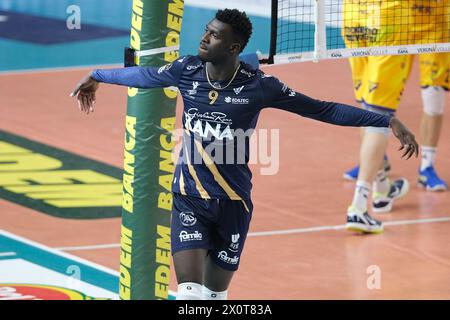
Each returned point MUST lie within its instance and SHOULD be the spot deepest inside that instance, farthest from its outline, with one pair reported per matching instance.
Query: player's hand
(406, 138)
(85, 94)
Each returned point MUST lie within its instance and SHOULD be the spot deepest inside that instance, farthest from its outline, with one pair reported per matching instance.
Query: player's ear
(235, 48)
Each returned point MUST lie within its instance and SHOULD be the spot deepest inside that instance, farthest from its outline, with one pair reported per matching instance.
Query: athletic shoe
(361, 222)
(384, 203)
(352, 174)
(429, 179)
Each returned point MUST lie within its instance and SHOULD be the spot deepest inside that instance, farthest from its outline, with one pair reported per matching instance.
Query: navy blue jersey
(213, 162)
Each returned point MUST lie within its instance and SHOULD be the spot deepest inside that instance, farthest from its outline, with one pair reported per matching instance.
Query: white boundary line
(7, 254)
(340, 227)
(278, 232)
(80, 248)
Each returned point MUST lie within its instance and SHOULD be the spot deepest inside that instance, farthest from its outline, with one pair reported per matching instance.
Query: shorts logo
(184, 236)
(225, 258)
(234, 246)
(187, 219)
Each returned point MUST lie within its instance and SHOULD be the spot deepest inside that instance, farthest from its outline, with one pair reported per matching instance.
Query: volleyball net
(305, 30)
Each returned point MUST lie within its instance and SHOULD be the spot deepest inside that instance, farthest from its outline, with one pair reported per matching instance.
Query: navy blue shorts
(217, 225)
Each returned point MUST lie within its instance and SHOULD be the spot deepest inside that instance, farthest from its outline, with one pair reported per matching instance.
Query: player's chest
(239, 96)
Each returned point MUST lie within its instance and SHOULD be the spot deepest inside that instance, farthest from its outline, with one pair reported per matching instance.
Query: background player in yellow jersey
(379, 83)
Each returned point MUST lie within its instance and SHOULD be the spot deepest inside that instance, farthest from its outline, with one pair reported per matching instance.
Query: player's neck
(222, 71)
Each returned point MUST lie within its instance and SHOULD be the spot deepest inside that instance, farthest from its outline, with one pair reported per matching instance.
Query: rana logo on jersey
(40, 292)
(208, 124)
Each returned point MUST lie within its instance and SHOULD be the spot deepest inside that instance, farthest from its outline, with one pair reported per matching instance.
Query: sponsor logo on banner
(379, 52)
(40, 292)
(443, 48)
(185, 236)
(225, 258)
(426, 50)
(362, 53)
(187, 219)
(336, 55)
(295, 58)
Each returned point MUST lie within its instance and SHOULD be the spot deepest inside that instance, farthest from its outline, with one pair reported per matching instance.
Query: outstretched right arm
(136, 77)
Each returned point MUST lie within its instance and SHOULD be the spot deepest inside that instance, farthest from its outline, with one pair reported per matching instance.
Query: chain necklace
(220, 88)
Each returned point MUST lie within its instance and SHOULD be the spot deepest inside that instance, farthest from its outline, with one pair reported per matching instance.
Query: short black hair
(239, 22)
